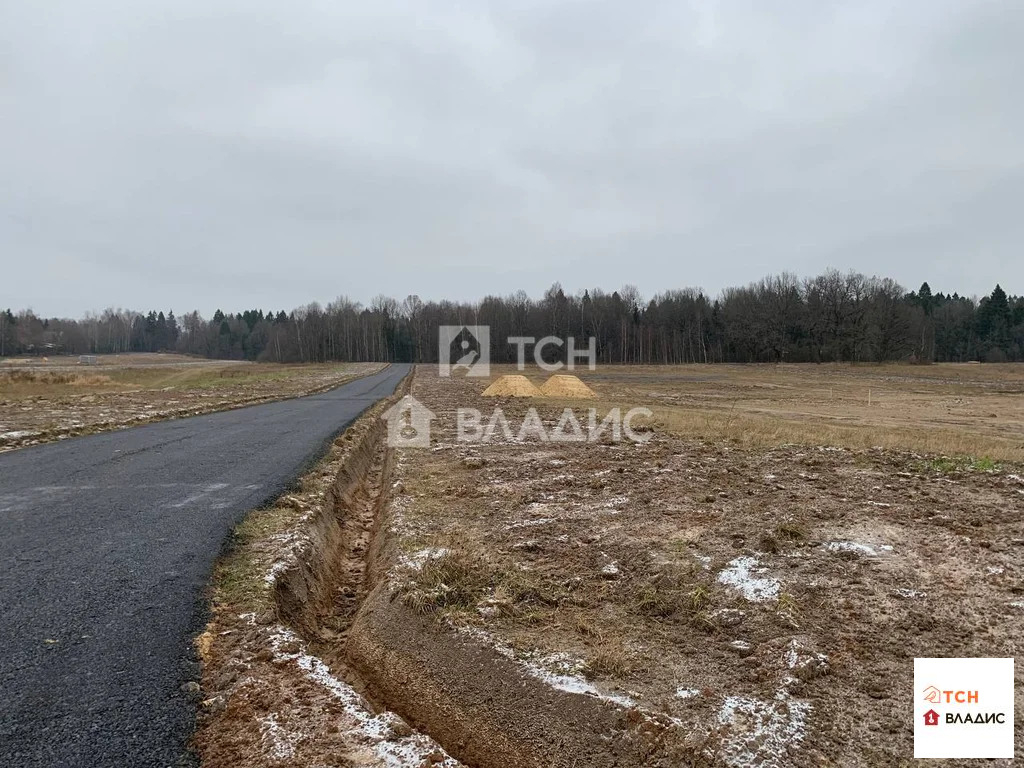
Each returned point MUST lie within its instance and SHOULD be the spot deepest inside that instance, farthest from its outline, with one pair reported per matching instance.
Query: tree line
(833, 317)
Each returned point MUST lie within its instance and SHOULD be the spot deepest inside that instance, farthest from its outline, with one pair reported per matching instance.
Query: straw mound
(564, 385)
(514, 385)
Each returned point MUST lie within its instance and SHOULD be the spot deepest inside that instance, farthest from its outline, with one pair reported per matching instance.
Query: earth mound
(512, 385)
(565, 385)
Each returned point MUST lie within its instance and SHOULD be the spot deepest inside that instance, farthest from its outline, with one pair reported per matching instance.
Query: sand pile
(564, 385)
(514, 385)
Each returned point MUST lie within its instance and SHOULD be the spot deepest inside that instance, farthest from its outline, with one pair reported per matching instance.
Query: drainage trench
(320, 595)
(472, 701)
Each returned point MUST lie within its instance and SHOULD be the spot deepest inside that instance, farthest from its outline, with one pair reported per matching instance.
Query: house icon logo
(408, 423)
(931, 717)
(464, 347)
(932, 695)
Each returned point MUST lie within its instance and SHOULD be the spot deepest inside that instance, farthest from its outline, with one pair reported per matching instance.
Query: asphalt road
(106, 544)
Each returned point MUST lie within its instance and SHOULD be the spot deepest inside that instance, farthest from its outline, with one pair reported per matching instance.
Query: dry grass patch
(609, 659)
(675, 593)
(460, 577)
(947, 409)
(239, 574)
(454, 579)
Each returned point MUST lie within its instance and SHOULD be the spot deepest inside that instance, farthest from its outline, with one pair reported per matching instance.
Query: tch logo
(464, 347)
(935, 696)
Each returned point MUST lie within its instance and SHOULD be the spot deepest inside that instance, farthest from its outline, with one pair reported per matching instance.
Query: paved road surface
(106, 543)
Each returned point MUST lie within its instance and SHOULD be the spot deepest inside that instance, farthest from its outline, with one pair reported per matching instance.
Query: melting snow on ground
(805, 662)
(17, 434)
(746, 575)
(378, 730)
(279, 742)
(760, 731)
(418, 559)
(270, 579)
(910, 594)
(288, 547)
(683, 692)
(855, 546)
(559, 670)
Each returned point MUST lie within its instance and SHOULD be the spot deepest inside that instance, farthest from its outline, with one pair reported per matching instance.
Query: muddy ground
(40, 402)
(679, 601)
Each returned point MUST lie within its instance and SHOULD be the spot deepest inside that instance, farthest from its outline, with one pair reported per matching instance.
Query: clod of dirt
(567, 386)
(512, 385)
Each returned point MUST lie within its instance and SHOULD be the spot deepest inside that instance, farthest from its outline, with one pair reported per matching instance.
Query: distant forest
(832, 317)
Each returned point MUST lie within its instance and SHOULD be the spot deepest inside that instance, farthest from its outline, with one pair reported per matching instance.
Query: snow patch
(759, 731)
(562, 672)
(558, 670)
(799, 658)
(745, 574)
(275, 570)
(16, 434)
(419, 558)
(378, 730)
(910, 594)
(279, 742)
(856, 546)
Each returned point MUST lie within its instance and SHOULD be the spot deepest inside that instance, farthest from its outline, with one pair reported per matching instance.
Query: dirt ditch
(283, 595)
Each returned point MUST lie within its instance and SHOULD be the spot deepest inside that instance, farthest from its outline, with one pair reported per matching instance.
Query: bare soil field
(747, 587)
(42, 401)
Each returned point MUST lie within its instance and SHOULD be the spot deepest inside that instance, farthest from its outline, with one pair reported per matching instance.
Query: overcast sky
(205, 154)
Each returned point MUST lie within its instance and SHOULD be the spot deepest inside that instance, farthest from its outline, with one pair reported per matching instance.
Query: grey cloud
(264, 154)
